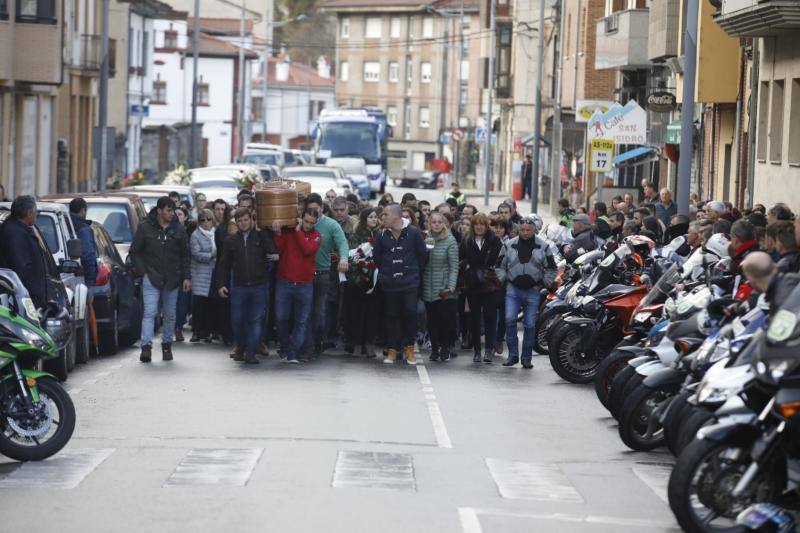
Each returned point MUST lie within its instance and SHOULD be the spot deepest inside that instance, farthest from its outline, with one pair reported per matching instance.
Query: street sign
(602, 152)
(585, 109)
(445, 137)
(480, 135)
(623, 125)
(140, 110)
(458, 135)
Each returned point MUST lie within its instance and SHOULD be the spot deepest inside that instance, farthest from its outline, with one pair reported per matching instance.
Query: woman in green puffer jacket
(439, 288)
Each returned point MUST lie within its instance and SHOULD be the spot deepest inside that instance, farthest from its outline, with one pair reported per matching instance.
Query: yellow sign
(601, 155)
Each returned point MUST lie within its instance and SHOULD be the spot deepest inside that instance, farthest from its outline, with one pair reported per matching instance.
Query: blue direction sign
(140, 110)
(480, 135)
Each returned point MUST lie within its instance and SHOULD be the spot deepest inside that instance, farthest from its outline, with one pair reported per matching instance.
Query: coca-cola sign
(661, 102)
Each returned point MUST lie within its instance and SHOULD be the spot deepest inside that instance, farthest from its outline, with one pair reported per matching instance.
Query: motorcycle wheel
(639, 427)
(700, 485)
(623, 383)
(43, 435)
(674, 419)
(606, 370)
(544, 321)
(570, 359)
(691, 425)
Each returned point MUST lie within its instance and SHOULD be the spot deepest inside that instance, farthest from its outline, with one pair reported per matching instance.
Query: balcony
(758, 18)
(89, 54)
(622, 40)
(664, 28)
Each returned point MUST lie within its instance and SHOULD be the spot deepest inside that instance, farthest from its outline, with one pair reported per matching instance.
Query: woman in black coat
(478, 254)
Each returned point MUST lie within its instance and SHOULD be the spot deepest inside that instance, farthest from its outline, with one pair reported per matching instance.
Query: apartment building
(29, 93)
(417, 64)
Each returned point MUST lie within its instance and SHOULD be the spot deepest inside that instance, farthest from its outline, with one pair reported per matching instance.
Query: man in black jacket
(243, 275)
(583, 238)
(20, 250)
(160, 253)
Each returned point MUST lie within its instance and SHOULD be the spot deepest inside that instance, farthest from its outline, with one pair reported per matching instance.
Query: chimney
(282, 71)
(323, 68)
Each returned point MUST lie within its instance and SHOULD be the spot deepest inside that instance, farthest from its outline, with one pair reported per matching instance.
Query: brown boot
(408, 353)
(238, 353)
(391, 357)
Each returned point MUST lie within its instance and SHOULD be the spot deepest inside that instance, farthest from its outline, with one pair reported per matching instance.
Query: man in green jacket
(334, 243)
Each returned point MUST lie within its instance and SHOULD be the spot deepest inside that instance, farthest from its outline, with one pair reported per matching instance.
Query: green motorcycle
(37, 415)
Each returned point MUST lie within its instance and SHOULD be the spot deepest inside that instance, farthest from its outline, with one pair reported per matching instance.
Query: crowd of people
(380, 279)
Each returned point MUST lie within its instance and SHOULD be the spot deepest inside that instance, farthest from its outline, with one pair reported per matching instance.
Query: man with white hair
(666, 208)
(714, 210)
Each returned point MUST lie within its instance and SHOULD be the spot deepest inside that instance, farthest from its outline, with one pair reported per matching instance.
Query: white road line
(656, 477)
(470, 512)
(532, 481)
(63, 471)
(232, 466)
(439, 427)
(469, 520)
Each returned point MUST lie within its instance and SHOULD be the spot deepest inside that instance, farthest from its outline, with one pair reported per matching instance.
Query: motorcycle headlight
(709, 394)
(34, 339)
(590, 306)
(641, 318)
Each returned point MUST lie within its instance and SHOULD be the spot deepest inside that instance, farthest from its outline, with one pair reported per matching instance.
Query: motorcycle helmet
(640, 244)
(538, 223)
(717, 244)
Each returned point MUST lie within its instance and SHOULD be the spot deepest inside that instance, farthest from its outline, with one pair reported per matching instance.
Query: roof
(115, 197)
(41, 206)
(299, 76)
(221, 26)
(390, 5)
(213, 47)
(155, 9)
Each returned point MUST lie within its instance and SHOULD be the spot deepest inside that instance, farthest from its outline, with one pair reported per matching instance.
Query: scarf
(209, 234)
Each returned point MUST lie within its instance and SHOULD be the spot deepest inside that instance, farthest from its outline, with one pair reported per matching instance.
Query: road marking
(655, 476)
(437, 420)
(63, 471)
(374, 470)
(216, 466)
(532, 481)
(470, 523)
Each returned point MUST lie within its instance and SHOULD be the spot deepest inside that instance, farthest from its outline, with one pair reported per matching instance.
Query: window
(427, 27)
(503, 80)
(344, 71)
(391, 115)
(794, 124)
(170, 39)
(394, 72)
(202, 93)
(394, 28)
(257, 110)
(424, 117)
(465, 70)
(465, 21)
(3, 10)
(373, 30)
(36, 11)
(344, 32)
(763, 101)
(159, 93)
(372, 71)
(776, 122)
(425, 72)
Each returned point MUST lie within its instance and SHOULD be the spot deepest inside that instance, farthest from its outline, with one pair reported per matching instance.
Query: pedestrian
(175, 197)
(203, 248)
(361, 296)
(222, 326)
(504, 210)
(527, 177)
(20, 250)
(565, 213)
(649, 193)
(330, 196)
(83, 230)
(782, 233)
(666, 208)
(582, 238)
(243, 277)
(160, 254)
(439, 288)
(478, 255)
(574, 194)
(456, 194)
(200, 203)
(408, 200)
(333, 249)
(335, 312)
(400, 255)
(294, 292)
(527, 265)
(499, 227)
(184, 298)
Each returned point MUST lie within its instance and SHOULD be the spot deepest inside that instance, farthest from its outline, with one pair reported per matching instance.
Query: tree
(305, 41)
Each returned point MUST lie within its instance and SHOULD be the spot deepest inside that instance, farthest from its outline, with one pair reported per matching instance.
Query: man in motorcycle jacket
(765, 277)
(582, 238)
(527, 263)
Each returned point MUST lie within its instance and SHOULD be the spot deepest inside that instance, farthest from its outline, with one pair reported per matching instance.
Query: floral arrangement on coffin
(133, 179)
(363, 272)
(179, 175)
(247, 179)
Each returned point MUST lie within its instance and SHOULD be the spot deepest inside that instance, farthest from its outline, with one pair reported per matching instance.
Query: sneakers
(293, 360)
(511, 361)
(498, 348)
(391, 356)
(238, 354)
(476, 357)
(166, 351)
(410, 357)
(488, 355)
(527, 364)
(251, 359)
(434, 354)
(147, 354)
(444, 355)
(179, 335)
(263, 349)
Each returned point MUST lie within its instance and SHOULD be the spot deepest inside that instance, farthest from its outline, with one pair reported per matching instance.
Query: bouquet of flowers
(247, 179)
(363, 272)
(133, 179)
(179, 175)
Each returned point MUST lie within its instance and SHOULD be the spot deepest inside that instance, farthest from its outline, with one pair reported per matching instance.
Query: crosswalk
(352, 470)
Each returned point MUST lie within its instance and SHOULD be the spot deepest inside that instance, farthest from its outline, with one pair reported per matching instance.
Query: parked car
(428, 179)
(321, 178)
(218, 181)
(304, 157)
(118, 304)
(355, 168)
(55, 291)
(119, 212)
(146, 192)
(272, 154)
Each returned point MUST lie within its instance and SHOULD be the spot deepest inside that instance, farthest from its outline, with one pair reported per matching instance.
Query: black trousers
(361, 317)
(483, 306)
(401, 318)
(463, 316)
(202, 324)
(441, 325)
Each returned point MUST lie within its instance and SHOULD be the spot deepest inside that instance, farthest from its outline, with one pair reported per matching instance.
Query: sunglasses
(204, 220)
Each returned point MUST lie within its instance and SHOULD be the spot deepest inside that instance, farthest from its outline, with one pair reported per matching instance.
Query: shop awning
(633, 154)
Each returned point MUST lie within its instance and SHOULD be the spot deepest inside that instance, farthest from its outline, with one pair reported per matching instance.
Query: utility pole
(242, 77)
(459, 102)
(556, 146)
(195, 56)
(487, 163)
(537, 115)
(687, 107)
(102, 114)
(267, 56)
(443, 106)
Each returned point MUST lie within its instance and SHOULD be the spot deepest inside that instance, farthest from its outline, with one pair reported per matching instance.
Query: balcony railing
(622, 40)
(758, 18)
(89, 55)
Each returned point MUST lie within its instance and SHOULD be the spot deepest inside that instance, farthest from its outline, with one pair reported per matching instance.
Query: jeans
(293, 301)
(441, 326)
(269, 319)
(401, 318)
(167, 300)
(248, 309)
(315, 335)
(482, 305)
(528, 300)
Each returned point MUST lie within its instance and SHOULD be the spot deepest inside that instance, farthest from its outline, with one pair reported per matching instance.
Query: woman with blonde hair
(439, 288)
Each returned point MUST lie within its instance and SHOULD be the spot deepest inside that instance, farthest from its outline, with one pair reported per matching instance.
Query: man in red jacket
(294, 293)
